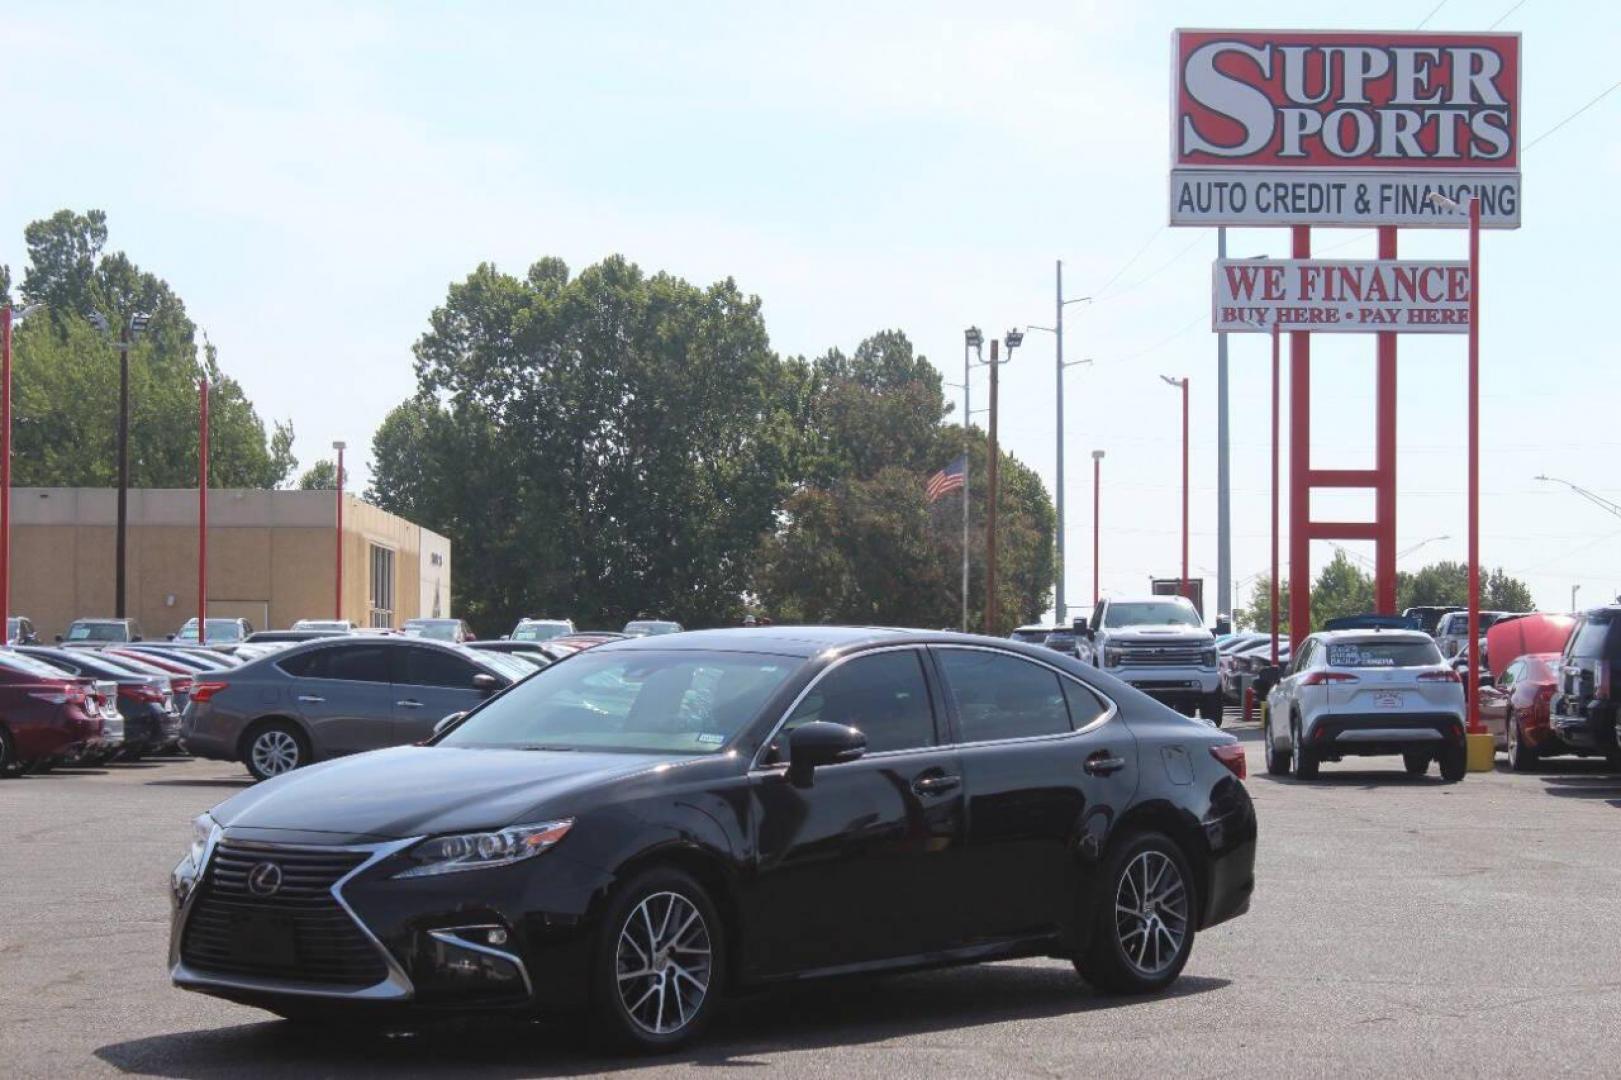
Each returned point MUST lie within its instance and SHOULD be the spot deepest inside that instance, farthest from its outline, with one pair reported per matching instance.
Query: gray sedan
(335, 696)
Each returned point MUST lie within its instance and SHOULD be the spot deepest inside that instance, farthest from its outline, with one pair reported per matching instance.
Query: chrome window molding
(396, 986)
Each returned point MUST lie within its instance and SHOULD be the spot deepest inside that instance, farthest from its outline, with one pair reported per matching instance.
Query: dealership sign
(1343, 128)
(1356, 296)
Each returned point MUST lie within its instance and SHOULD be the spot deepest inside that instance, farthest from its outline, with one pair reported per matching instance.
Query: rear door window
(351, 663)
(1588, 641)
(1000, 696)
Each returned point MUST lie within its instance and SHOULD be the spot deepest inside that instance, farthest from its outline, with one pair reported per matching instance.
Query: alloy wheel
(1513, 743)
(274, 752)
(1151, 912)
(663, 963)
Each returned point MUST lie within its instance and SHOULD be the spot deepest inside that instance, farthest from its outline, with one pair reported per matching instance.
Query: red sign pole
(1384, 515)
(337, 603)
(202, 513)
(5, 474)
(1185, 487)
(1277, 345)
(1475, 726)
(1299, 464)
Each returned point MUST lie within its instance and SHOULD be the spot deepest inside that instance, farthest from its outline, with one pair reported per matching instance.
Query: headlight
(475, 851)
(1111, 656)
(1208, 658)
(202, 831)
(185, 876)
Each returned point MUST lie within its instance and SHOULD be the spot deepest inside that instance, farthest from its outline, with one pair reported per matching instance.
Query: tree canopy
(1343, 588)
(616, 444)
(65, 376)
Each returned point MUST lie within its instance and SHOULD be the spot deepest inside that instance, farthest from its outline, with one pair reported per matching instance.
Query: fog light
(496, 937)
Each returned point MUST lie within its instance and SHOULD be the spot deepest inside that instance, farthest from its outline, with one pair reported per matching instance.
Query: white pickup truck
(1159, 645)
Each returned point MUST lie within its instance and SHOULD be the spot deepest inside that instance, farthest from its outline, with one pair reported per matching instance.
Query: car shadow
(809, 1017)
(1580, 779)
(1366, 779)
(218, 781)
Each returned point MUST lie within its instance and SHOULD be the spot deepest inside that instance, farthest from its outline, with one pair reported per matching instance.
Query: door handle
(409, 704)
(310, 699)
(937, 784)
(1103, 763)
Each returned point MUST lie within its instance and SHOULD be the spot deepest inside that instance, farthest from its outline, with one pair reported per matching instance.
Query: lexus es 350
(645, 825)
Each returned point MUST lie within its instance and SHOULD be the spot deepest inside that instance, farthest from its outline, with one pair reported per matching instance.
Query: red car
(1515, 710)
(46, 714)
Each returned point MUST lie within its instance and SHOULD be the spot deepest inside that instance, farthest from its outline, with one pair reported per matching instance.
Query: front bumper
(502, 939)
(1170, 684)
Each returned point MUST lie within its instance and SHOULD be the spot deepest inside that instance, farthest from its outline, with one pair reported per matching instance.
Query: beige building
(271, 558)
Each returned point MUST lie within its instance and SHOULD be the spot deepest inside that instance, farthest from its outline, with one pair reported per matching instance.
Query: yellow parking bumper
(1482, 752)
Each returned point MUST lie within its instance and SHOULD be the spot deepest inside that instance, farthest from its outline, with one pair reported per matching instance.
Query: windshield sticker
(709, 738)
(1353, 656)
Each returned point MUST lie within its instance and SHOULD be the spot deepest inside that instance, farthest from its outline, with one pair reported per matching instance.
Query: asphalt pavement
(1400, 928)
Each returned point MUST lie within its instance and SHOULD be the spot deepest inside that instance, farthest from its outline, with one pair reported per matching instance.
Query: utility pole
(337, 572)
(1060, 609)
(202, 512)
(123, 469)
(1183, 384)
(1097, 507)
(1224, 508)
(971, 339)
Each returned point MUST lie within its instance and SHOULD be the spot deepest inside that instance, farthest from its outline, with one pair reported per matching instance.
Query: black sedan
(647, 824)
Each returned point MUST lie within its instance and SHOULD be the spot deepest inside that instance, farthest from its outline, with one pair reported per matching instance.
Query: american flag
(947, 480)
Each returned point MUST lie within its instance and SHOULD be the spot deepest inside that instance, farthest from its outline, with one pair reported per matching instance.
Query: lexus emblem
(264, 879)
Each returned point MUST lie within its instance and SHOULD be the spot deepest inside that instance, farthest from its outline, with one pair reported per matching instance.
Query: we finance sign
(1348, 296)
(1338, 128)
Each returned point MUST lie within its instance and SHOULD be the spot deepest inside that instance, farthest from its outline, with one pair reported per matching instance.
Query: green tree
(1341, 589)
(1447, 584)
(65, 376)
(602, 445)
(321, 476)
(1257, 615)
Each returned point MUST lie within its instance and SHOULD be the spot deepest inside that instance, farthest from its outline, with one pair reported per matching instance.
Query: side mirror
(448, 722)
(137, 637)
(486, 684)
(820, 743)
(169, 636)
(59, 639)
(1082, 629)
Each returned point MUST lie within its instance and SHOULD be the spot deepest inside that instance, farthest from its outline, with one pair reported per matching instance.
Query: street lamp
(1097, 504)
(337, 602)
(1183, 384)
(8, 317)
(128, 331)
(972, 339)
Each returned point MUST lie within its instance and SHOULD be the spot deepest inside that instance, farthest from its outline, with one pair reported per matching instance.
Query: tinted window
(1003, 697)
(1588, 643)
(417, 666)
(883, 695)
(1084, 706)
(356, 663)
(1366, 654)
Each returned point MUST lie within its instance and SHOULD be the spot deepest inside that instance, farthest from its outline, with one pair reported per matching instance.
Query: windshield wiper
(542, 746)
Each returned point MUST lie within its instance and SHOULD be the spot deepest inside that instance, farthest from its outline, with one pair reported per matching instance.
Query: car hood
(419, 791)
(1162, 634)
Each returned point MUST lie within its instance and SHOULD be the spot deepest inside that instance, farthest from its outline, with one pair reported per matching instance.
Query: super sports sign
(1343, 128)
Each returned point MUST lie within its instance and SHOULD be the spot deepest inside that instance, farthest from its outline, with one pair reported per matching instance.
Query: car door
(1047, 767)
(1281, 702)
(429, 685)
(345, 697)
(1494, 701)
(862, 866)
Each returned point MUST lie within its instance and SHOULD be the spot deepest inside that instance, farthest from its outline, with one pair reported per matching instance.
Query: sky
(311, 181)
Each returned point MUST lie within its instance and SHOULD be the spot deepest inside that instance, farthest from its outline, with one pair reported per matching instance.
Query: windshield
(1364, 654)
(649, 627)
(510, 666)
(635, 701)
(219, 630)
(1152, 613)
(537, 631)
(1031, 637)
(437, 629)
(104, 631)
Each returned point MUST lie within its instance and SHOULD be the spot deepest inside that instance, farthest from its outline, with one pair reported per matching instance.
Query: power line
(1602, 94)
(1431, 15)
(1099, 292)
(1506, 14)
(1163, 266)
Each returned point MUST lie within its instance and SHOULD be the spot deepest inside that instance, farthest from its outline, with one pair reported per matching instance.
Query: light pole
(1014, 339)
(7, 318)
(1224, 501)
(128, 331)
(972, 339)
(1574, 589)
(202, 511)
(337, 602)
(1060, 608)
(1183, 384)
(1097, 506)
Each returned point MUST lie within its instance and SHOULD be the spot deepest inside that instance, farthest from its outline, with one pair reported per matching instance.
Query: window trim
(936, 680)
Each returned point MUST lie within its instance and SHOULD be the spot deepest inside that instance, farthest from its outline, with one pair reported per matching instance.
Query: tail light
(148, 694)
(203, 692)
(68, 694)
(1232, 755)
(1601, 681)
(1318, 678)
(1440, 676)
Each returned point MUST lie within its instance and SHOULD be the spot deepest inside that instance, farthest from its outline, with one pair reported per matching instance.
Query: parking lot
(1399, 927)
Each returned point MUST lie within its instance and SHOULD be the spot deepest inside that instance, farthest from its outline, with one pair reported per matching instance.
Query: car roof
(1147, 599)
(803, 641)
(1372, 635)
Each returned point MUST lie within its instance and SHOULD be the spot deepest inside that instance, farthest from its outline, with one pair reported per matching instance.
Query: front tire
(1145, 918)
(1215, 705)
(1277, 761)
(659, 965)
(275, 748)
(1303, 761)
